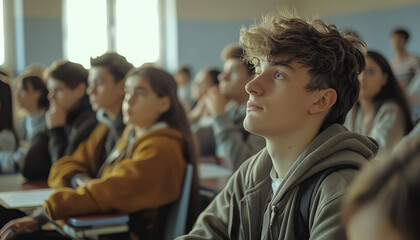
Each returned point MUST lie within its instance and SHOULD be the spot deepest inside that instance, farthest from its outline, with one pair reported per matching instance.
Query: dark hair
(213, 73)
(394, 185)
(334, 60)
(70, 73)
(235, 51)
(391, 90)
(6, 110)
(38, 85)
(163, 84)
(185, 69)
(116, 64)
(402, 32)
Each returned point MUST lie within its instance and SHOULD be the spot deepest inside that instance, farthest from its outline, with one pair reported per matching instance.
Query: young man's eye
(279, 76)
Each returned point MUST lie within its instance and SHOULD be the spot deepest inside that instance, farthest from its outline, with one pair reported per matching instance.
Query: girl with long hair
(382, 111)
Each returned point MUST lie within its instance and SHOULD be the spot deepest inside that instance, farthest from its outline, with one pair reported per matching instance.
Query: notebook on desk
(96, 220)
(25, 198)
(88, 226)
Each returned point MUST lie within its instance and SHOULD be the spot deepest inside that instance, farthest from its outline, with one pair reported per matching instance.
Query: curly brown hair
(334, 60)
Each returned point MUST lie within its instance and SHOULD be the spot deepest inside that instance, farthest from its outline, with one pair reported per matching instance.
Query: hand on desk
(20, 225)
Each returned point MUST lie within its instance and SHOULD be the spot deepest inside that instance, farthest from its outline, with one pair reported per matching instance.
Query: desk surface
(15, 182)
(214, 184)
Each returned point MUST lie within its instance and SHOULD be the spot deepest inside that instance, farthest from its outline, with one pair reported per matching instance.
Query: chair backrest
(177, 217)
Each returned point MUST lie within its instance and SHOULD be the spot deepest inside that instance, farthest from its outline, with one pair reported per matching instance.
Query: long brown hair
(163, 84)
(391, 90)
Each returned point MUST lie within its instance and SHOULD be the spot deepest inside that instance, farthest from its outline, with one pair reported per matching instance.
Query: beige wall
(253, 9)
(227, 9)
(324, 8)
(42, 8)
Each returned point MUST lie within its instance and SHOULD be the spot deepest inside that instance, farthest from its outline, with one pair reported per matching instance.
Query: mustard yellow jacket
(150, 178)
(85, 159)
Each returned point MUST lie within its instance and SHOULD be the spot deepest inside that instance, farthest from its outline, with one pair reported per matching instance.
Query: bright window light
(1, 33)
(86, 30)
(137, 30)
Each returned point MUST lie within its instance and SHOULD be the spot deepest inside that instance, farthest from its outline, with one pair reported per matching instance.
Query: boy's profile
(306, 82)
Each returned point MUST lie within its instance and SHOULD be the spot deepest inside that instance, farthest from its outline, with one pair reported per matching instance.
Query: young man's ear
(165, 104)
(324, 101)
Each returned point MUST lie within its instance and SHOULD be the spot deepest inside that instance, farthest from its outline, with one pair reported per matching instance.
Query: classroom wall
(199, 29)
(42, 32)
(376, 26)
(205, 27)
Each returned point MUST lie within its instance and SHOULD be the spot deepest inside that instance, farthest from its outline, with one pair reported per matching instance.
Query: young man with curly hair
(306, 82)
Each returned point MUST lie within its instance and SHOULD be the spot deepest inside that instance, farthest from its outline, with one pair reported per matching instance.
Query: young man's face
(63, 96)
(278, 101)
(397, 42)
(104, 91)
(233, 79)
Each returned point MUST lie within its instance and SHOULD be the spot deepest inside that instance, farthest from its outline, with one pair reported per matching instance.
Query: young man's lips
(253, 107)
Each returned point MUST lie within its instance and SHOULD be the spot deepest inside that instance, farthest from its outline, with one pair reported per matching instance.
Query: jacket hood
(334, 146)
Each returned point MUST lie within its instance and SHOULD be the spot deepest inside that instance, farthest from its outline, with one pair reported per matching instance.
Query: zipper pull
(273, 214)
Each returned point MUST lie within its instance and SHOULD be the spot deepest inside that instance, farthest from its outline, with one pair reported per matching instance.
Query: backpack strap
(305, 199)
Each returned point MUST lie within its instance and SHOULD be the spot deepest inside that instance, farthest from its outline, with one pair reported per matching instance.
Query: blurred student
(143, 175)
(69, 119)
(405, 65)
(382, 111)
(200, 118)
(8, 138)
(383, 201)
(298, 100)
(183, 81)
(106, 94)
(203, 81)
(233, 143)
(32, 95)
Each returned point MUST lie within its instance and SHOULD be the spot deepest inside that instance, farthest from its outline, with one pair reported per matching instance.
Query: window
(1, 33)
(129, 27)
(137, 30)
(85, 27)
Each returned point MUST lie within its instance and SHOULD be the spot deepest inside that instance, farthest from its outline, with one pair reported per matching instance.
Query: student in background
(405, 65)
(203, 81)
(145, 171)
(306, 81)
(233, 143)
(383, 201)
(32, 95)
(382, 111)
(200, 118)
(183, 81)
(69, 120)
(8, 137)
(106, 93)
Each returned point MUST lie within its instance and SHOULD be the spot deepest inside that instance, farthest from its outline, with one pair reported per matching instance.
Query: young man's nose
(253, 88)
